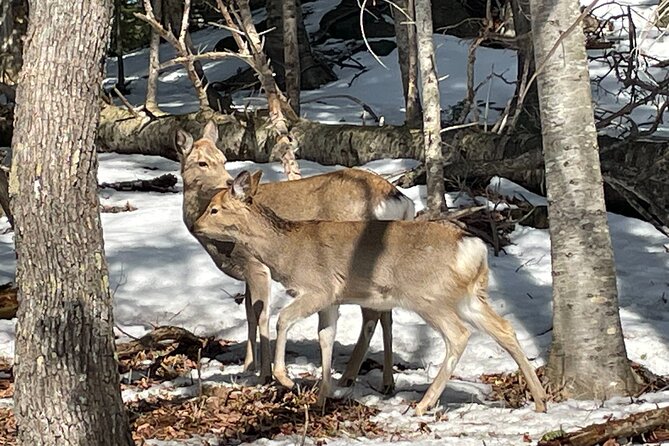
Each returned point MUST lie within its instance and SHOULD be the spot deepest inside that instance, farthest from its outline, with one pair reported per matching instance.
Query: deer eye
(214, 211)
(203, 164)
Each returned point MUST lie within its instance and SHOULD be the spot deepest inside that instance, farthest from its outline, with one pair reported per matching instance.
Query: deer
(347, 194)
(432, 268)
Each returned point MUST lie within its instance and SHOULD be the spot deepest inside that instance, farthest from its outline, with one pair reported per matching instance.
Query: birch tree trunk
(405, 34)
(434, 158)
(67, 383)
(154, 63)
(291, 54)
(588, 353)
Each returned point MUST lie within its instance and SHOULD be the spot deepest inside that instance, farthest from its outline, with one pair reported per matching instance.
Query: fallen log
(164, 183)
(631, 426)
(249, 137)
(636, 172)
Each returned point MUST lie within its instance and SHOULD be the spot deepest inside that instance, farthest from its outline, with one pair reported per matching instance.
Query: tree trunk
(405, 35)
(13, 26)
(120, 76)
(291, 54)
(154, 63)
(434, 158)
(588, 355)
(313, 73)
(528, 117)
(67, 384)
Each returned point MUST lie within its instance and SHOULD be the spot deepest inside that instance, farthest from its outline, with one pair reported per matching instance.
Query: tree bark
(405, 36)
(291, 54)
(154, 63)
(588, 355)
(434, 158)
(67, 384)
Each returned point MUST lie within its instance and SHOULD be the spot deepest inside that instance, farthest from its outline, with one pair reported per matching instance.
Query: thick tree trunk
(291, 54)
(588, 355)
(405, 35)
(434, 158)
(313, 73)
(154, 63)
(67, 384)
(13, 26)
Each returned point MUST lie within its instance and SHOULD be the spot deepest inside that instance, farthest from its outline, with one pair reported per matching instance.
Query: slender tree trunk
(529, 118)
(405, 34)
(13, 26)
(154, 63)
(313, 73)
(291, 54)
(434, 158)
(588, 354)
(120, 77)
(67, 384)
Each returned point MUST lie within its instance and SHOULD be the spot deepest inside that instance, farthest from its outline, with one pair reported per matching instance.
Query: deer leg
(301, 307)
(387, 326)
(479, 313)
(369, 320)
(327, 329)
(258, 282)
(250, 361)
(455, 335)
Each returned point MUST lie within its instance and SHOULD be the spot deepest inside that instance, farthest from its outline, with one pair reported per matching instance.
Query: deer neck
(196, 199)
(269, 238)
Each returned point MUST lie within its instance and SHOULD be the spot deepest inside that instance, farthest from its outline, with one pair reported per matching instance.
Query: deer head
(229, 213)
(202, 163)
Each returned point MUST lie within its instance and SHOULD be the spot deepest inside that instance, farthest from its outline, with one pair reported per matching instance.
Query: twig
(364, 106)
(125, 102)
(364, 37)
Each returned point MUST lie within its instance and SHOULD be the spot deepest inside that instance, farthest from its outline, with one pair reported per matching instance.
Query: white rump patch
(471, 253)
(400, 208)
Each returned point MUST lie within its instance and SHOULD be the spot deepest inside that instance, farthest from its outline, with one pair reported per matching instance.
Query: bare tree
(291, 54)
(154, 63)
(67, 383)
(434, 158)
(405, 36)
(588, 353)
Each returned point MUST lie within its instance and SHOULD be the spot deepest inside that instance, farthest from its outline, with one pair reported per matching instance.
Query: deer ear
(183, 142)
(255, 181)
(210, 131)
(242, 186)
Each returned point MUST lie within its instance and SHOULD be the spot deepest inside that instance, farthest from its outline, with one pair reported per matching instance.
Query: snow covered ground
(161, 275)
